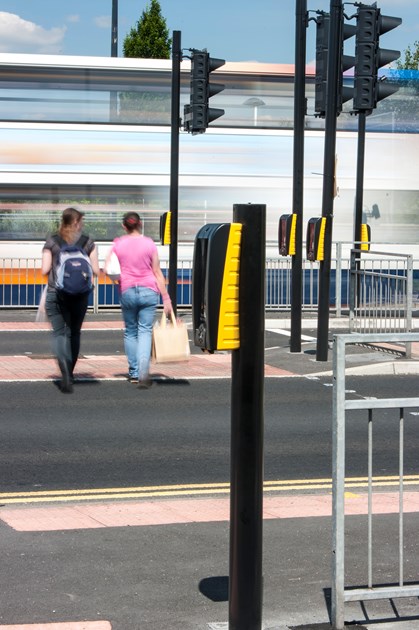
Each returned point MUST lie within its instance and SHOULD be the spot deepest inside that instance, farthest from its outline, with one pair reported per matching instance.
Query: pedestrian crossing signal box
(365, 237)
(286, 234)
(165, 225)
(215, 287)
(315, 238)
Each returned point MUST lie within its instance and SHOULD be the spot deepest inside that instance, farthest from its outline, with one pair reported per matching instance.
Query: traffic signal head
(322, 51)
(286, 234)
(369, 57)
(345, 93)
(198, 114)
(165, 228)
(322, 44)
(215, 286)
(316, 229)
(214, 88)
(365, 237)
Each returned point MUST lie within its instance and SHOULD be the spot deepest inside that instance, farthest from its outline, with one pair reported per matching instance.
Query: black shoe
(145, 383)
(66, 382)
(67, 388)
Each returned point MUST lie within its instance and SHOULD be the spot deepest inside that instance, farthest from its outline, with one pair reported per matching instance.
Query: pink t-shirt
(135, 255)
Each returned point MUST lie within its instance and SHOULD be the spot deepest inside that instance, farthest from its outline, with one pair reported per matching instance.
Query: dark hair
(132, 221)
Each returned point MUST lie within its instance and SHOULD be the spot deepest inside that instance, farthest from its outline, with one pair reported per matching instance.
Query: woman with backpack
(141, 281)
(70, 259)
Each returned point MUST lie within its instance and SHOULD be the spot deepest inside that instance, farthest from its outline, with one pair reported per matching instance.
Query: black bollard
(247, 426)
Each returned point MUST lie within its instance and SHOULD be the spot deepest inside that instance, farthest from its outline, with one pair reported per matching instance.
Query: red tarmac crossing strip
(202, 510)
(69, 625)
(104, 367)
(45, 326)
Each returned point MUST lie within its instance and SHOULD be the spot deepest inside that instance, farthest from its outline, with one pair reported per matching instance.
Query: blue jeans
(138, 309)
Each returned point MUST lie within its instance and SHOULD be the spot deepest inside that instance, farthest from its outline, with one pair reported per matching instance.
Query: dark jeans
(66, 314)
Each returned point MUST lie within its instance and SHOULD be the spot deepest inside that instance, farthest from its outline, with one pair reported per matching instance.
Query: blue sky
(236, 30)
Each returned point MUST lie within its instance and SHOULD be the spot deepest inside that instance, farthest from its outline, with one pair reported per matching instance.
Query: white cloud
(103, 21)
(20, 36)
(73, 18)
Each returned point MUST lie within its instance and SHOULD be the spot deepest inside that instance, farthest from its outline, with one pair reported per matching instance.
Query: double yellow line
(189, 490)
(350, 482)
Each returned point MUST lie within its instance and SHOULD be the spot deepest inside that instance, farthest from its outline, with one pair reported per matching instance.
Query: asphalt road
(92, 342)
(39, 342)
(110, 434)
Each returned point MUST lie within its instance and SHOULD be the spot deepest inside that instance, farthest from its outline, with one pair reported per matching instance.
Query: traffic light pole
(359, 193)
(329, 176)
(298, 175)
(174, 167)
(113, 108)
(247, 425)
(114, 34)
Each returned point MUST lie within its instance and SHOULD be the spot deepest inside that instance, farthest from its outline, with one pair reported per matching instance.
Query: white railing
(370, 587)
(22, 282)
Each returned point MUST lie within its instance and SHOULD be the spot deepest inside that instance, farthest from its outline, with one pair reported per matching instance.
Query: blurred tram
(96, 132)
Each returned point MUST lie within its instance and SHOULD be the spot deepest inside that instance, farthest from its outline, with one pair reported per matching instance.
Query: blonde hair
(69, 227)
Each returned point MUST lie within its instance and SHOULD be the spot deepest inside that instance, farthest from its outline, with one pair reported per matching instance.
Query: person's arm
(46, 261)
(94, 260)
(161, 284)
(107, 260)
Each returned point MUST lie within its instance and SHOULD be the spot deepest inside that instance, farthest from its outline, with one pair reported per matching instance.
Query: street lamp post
(255, 103)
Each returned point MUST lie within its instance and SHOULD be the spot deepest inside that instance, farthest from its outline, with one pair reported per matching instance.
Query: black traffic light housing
(365, 237)
(286, 234)
(198, 114)
(215, 286)
(315, 238)
(345, 93)
(322, 44)
(165, 227)
(368, 89)
(322, 51)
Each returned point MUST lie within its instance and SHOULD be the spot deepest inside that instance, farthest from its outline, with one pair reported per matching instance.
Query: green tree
(150, 38)
(411, 58)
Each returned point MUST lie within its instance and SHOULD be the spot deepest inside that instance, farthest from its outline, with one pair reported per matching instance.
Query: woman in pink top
(141, 283)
